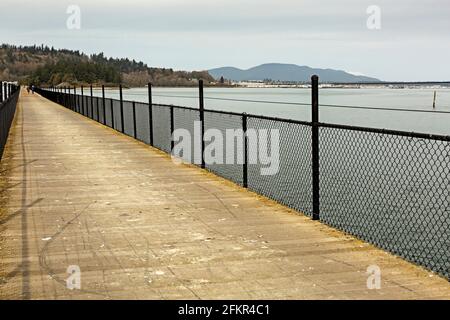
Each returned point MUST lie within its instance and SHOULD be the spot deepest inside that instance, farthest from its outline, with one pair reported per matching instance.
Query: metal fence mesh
(142, 122)
(187, 119)
(292, 184)
(94, 108)
(7, 111)
(89, 106)
(232, 170)
(109, 112)
(84, 106)
(73, 101)
(128, 120)
(117, 115)
(392, 191)
(98, 104)
(162, 134)
(78, 107)
(101, 110)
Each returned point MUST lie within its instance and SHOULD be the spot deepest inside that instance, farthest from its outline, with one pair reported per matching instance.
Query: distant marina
(381, 85)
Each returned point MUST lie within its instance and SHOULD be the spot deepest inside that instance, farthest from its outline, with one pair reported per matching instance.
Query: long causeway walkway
(75, 193)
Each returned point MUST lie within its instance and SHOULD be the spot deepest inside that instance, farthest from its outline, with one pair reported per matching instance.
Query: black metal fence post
(104, 104)
(202, 120)
(150, 112)
(92, 103)
(69, 98)
(172, 142)
(112, 114)
(1, 91)
(315, 147)
(98, 109)
(75, 99)
(134, 121)
(122, 122)
(82, 101)
(245, 165)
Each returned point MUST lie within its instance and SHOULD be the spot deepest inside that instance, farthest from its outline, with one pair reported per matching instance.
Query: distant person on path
(32, 89)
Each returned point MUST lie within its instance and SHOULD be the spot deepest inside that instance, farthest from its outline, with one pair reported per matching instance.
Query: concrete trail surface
(138, 226)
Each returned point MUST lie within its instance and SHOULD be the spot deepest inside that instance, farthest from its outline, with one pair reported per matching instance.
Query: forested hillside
(43, 65)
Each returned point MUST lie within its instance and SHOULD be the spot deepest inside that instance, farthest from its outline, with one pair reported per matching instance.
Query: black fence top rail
(327, 125)
(399, 109)
(387, 131)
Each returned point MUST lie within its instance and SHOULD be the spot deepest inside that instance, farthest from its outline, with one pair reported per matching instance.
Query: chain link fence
(189, 120)
(162, 134)
(389, 188)
(225, 162)
(9, 95)
(292, 185)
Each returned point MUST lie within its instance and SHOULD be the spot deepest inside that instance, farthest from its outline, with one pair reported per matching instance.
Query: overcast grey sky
(412, 44)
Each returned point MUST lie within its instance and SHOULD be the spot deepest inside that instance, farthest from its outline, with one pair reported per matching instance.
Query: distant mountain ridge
(287, 72)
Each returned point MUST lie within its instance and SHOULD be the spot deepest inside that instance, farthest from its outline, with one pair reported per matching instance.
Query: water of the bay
(415, 99)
